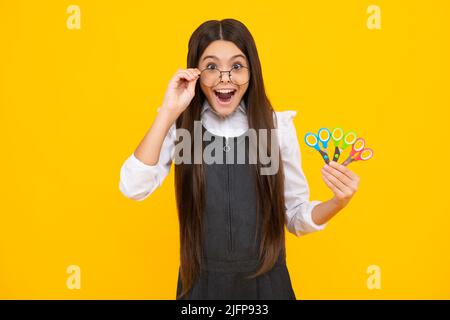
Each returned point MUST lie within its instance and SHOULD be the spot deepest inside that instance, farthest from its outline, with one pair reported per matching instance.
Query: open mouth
(224, 95)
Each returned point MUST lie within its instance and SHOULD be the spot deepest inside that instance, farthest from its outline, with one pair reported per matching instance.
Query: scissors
(323, 136)
(362, 153)
(338, 135)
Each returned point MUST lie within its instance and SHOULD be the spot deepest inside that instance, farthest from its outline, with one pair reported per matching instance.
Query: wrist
(166, 115)
(338, 203)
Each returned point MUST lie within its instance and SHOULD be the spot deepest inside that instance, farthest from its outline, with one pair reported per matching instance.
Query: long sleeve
(138, 180)
(298, 206)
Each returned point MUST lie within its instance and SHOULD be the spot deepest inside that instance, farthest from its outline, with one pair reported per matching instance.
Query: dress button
(226, 148)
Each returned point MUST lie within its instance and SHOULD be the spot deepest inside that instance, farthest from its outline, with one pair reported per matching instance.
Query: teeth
(225, 90)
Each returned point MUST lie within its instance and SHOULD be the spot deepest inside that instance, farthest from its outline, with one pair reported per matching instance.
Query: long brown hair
(189, 178)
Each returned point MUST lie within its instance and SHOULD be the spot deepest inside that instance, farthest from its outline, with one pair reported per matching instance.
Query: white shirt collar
(232, 125)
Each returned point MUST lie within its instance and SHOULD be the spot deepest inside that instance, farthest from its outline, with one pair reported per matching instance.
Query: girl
(231, 217)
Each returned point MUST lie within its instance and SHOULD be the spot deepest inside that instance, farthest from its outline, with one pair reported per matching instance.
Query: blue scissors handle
(324, 141)
(316, 146)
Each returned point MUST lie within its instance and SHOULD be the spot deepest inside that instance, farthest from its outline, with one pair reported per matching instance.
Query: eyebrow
(214, 57)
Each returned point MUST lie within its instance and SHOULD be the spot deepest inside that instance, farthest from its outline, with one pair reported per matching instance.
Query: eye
(211, 66)
(237, 66)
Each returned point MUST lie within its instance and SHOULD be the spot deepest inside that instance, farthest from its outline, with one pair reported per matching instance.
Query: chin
(224, 112)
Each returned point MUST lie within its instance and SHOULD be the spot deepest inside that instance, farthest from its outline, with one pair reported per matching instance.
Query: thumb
(191, 85)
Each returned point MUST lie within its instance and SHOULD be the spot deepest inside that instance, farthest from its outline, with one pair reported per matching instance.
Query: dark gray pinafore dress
(229, 225)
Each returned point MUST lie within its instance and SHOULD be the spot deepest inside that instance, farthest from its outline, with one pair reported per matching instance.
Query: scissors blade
(348, 160)
(325, 156)
(337, 154)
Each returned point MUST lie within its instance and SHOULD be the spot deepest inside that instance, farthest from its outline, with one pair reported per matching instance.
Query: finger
(343, 169)
(338, 183)
(338, 174)
(191, 85)
(348, 173)
(333, 188)
(183, 75)
(336, 189)
(195, 71)
(189, 74)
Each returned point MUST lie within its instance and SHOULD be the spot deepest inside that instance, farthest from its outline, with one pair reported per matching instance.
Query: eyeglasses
(211, 77)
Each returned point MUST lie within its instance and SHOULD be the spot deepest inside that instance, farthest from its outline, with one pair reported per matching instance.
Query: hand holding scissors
(342, 181)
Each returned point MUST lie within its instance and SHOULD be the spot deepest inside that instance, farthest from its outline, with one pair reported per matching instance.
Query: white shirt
(138, 180)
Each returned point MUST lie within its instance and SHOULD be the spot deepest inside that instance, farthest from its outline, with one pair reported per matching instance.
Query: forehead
(222, 50)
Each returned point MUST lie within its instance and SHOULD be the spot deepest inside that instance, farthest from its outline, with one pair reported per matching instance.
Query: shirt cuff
(137, 179)
(309, 219)
(136, 163)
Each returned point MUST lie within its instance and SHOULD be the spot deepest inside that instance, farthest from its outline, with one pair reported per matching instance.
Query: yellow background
(75, 103)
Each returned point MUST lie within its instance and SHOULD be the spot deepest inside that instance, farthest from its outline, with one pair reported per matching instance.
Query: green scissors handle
(341, 141)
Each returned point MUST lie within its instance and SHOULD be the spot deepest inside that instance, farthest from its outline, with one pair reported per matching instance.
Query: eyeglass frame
(229, 75)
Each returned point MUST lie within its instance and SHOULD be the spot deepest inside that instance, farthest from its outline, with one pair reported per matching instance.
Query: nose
(228, 76)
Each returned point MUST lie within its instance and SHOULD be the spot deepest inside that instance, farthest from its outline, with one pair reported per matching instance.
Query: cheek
(206, 91)
(243, 90)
